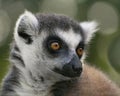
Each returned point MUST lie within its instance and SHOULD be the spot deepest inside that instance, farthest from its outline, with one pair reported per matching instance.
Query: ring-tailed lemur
(46, 59)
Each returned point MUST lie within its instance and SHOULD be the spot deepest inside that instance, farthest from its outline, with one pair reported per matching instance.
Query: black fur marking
(63, 87)
(26, 37)
(42, 79)
(15, 54)
(31, 76)
(11, 81)
(16, 48)
(16, 57)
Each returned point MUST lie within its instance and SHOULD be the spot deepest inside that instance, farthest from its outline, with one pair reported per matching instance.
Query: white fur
(28, 53)
(31, 55)
(28, 18)
(70, 37)
(30, 21)
(89, 29)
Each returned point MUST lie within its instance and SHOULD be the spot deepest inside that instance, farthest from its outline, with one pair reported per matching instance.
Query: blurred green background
(104, 50)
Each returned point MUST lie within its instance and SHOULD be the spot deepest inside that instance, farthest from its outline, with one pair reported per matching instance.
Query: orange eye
(80, 51)
(55, 46)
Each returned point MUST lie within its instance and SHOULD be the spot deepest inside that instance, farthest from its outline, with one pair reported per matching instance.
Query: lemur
(47, 57)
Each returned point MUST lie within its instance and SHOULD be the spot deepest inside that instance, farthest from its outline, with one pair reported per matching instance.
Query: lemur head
(51, 44)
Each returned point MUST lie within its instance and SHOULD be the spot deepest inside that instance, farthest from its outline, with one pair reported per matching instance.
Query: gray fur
(50, 22)
(11, 79)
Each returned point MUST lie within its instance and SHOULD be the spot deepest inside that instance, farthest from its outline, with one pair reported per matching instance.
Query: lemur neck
(65, 88)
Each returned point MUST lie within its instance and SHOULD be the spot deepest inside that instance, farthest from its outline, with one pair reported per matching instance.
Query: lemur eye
(55, 46)
(80, 51)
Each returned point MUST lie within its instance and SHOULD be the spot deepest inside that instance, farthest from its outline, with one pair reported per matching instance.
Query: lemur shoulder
(47, 56)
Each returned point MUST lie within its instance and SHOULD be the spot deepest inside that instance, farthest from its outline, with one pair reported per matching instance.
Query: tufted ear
(26, 27)
(89, 29)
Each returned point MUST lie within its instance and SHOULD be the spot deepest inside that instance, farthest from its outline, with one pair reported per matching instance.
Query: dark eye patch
(54, 38)
(25, 36)
(81, 45)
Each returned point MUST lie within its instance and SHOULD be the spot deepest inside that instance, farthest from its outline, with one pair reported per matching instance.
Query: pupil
(55, 45)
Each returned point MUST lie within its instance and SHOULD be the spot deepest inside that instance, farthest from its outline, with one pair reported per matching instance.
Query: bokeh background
(104, 50)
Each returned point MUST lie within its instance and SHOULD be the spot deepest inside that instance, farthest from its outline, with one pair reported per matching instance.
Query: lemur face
(65, 48)
(52, 44)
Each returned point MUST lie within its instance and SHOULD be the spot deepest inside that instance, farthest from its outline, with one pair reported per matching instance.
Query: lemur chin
(47, 57)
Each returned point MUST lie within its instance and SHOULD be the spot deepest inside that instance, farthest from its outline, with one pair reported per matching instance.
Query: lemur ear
(26, 27)
(89, 29)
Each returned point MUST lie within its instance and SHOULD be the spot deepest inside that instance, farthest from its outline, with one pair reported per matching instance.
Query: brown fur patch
(94, 83)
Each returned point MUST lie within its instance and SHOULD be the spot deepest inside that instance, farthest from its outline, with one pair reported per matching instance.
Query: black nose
(76, 69)
(71, 69)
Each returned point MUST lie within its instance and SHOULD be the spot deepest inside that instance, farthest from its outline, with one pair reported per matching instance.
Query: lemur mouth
(69, 71)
